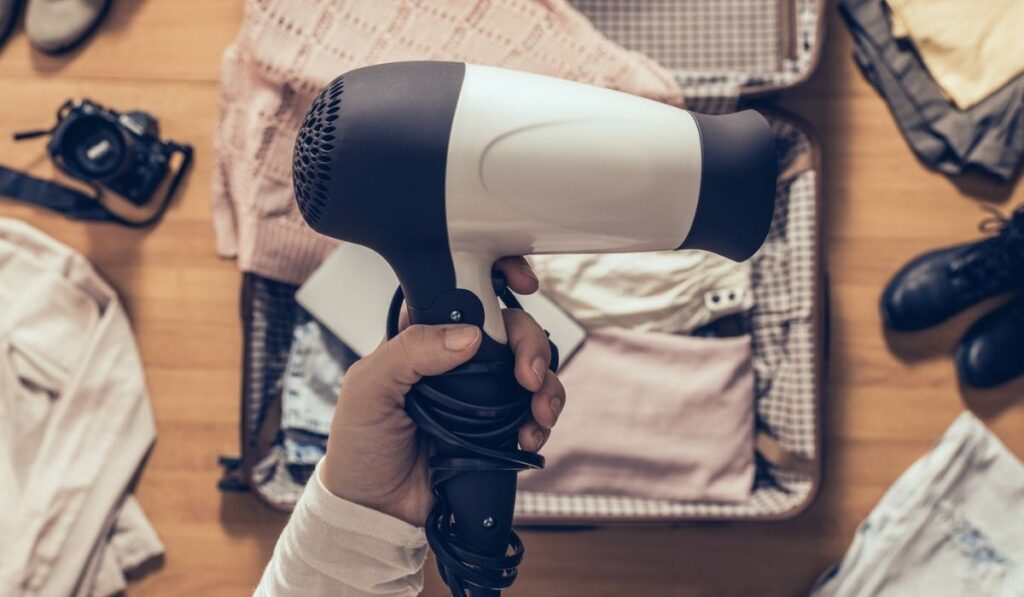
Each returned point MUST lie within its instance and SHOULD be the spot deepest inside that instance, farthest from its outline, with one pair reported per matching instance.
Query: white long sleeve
(335, 547)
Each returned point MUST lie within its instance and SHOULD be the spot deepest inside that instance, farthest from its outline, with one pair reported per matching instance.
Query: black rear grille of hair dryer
(311, 163)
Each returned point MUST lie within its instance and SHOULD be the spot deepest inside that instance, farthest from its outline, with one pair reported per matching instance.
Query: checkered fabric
(271, 313)
(715, 48)
(784, 344)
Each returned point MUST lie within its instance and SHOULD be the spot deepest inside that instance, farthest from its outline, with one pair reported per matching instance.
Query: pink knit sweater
(288, 49)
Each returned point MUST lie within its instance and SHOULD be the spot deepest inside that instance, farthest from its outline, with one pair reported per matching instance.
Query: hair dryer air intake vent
(317, 138)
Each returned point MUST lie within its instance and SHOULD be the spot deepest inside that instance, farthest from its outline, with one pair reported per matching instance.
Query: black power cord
(468, 426)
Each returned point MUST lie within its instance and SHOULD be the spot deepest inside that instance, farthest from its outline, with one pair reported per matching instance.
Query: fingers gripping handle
(473, 413)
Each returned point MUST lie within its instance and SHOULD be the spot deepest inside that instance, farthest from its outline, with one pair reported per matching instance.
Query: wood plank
(889, 396)
(140, 40)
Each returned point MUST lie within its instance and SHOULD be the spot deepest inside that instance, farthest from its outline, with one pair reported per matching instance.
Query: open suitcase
(725, 54)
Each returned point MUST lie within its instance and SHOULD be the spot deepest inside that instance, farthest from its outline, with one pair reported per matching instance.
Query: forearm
(338, 548)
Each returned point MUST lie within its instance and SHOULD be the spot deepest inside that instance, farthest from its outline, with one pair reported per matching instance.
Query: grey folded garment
(988, 136)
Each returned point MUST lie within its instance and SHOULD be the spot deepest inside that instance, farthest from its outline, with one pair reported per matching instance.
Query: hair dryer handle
(472, 302)
(474, 413)
(474, 273)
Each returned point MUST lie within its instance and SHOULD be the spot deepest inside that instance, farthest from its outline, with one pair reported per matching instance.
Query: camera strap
(51, 195)
(130, 214)
(96, 207)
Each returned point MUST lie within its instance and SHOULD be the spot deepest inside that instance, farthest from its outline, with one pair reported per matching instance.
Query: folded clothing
(654, 416)
(971, 49)
(286, 51)
(987, 136)
(312, 383)
(76, 422)
(130, 543)
(950, 525)
(672, 292)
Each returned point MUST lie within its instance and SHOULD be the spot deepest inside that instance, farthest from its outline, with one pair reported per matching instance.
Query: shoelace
(995, 264)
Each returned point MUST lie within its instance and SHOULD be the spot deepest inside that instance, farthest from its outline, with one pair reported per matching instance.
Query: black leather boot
(992, 351)
(937, 285)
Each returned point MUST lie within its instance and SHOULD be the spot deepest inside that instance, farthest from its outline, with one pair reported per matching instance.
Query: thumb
(422, 350)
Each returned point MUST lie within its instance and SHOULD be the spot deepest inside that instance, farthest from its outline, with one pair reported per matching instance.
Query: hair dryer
(444, 167)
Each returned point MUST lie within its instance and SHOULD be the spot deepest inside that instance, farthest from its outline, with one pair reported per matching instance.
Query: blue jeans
(312, 383)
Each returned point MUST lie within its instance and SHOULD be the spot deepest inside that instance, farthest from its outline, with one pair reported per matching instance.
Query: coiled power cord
(475, 429)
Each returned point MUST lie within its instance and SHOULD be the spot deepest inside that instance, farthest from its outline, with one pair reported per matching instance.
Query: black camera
(120, 151)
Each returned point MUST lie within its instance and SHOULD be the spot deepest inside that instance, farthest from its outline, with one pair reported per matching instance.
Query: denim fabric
(952, 524)
(312, 382)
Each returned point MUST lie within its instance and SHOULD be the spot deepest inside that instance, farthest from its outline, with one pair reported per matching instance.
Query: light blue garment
(952, 524)
(312, 383)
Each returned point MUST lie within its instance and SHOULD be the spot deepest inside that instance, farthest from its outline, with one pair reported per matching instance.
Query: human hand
(374, 457)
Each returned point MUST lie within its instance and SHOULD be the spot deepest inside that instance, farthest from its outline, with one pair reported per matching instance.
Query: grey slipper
(8, 16)
(55, 26)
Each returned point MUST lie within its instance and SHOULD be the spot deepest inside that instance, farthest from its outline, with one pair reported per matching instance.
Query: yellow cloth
(970, 47)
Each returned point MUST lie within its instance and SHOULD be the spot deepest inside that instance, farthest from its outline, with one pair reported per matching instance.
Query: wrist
(340, 485)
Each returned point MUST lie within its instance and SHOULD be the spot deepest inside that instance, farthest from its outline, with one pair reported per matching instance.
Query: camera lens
(95, 147)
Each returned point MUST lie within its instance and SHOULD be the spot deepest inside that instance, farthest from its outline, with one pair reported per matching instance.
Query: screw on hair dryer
(444, 167)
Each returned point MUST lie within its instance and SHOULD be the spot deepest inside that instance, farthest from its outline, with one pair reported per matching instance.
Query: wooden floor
(888, 398)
